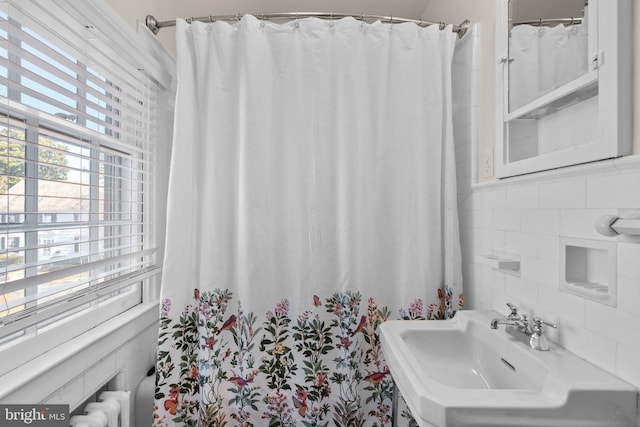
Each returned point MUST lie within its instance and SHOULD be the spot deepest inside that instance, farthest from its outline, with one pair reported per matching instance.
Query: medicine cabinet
(563, 83)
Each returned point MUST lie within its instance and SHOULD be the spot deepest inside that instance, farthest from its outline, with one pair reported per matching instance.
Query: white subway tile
(566, 306)
(579, 223)
(523, 244)
(495, 199)
(541, 221)
(499, 301)
(628, 364)
(482, 238)
(483, 302)
(496, 279)
(488, 278)
(507, 220)
(479, 288)
(494, 301)
(597, 349)
(482, 219)
(614, 191)
(563, 194)
(629, 261)
(616, 324)
(523, 197)
(477, 201)
(540, 271)
(549, 248)
(629, 295)
(496, 240)
(521, 290)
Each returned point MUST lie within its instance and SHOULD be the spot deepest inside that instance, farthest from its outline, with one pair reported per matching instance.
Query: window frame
(138, 282)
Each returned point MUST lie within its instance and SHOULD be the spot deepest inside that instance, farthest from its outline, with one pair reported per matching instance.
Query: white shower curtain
(543, 59)
(312, 196)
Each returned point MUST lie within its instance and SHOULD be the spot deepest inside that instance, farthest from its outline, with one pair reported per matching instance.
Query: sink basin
(460, 372)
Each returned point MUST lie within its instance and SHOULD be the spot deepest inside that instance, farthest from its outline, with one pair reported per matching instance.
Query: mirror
(563, 84)
(548, 47)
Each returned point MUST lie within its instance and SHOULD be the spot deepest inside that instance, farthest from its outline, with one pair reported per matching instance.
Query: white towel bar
(612, 225)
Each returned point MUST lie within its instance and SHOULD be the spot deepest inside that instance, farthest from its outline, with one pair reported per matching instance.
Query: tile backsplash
(524, 218)
(526, 222)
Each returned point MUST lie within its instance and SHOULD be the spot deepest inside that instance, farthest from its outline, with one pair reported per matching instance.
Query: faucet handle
(538, 322)
(538, 341)
(514, 312)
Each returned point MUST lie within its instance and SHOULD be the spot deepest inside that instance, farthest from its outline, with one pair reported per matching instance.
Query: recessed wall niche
(588, 269)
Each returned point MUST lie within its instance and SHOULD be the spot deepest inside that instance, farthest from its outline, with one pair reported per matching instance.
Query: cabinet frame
(612, 75)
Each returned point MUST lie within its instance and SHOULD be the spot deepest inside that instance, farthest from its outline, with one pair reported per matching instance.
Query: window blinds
(77, 164)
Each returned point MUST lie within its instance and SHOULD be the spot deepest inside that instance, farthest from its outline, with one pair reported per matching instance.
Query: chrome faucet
(513, 319)
(537, 340)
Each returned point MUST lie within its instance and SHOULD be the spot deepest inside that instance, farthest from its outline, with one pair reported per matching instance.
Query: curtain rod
(548, 22)
(154, 25)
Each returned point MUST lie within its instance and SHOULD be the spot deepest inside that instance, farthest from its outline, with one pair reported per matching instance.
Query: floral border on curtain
(218, 366)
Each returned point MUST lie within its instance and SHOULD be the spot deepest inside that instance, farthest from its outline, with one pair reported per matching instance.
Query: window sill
(83, 351)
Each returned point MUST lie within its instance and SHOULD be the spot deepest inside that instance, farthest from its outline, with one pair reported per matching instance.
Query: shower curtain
(312, 196)
(544, 58)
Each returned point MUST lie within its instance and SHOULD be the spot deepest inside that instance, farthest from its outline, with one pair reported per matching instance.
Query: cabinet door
(563, 83)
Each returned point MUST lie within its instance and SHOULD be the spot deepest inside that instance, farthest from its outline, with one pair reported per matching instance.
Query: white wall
(525, 218)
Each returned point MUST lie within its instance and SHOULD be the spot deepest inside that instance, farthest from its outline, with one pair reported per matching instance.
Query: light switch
(486, 162)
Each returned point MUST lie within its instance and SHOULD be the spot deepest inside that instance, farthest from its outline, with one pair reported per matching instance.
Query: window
(77, 169)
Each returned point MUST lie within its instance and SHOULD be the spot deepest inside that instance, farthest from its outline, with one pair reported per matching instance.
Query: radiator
(112, 410)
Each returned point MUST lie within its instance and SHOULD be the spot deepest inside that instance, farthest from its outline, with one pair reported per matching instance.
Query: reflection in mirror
(548, 47)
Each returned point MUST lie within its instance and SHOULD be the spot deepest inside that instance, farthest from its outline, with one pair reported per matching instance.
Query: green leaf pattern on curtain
(219, 367)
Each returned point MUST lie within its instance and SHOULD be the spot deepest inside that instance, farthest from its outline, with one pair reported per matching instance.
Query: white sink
(460, 372)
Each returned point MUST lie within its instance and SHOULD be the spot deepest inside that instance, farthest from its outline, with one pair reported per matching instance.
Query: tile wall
(524, 218)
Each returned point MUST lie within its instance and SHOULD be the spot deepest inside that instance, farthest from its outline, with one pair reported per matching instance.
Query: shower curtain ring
(540, 23)
(210, 18)
(442, 25)
(237, 16)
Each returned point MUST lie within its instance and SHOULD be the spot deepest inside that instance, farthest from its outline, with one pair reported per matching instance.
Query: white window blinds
(77, 166)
